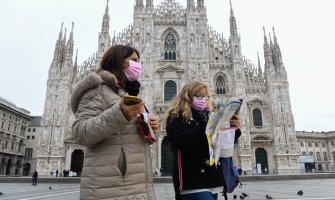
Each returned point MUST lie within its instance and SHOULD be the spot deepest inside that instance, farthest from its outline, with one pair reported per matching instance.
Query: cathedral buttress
(236, 55)
(55, 124)
(197, 51)
(285, 149)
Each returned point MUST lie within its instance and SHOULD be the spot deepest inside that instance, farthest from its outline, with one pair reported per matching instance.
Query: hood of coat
(89, 82)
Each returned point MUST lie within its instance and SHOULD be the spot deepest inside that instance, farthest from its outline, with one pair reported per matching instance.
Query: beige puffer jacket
(117, 161)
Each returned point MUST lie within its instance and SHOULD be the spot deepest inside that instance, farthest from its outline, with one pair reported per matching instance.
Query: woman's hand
(131, 111)
(235, 121)
(154, 123)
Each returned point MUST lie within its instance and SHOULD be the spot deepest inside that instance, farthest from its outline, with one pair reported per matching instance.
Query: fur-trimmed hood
(92, 81)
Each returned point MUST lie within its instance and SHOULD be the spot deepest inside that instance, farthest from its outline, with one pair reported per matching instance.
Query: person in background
(239, 171)
(35, 176)
(117, 162)
(186, 120)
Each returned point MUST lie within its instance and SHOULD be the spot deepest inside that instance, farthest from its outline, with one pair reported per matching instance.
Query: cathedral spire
(271, 44)
(276, 49)
(107, 9)
(105, 21)
(75, 66)
(75, 61)
(69, 46)
(61, 32)
(64, 38)
(58, 46)
(265, 47)
(190, 5)
(233, 26)
(71, 33)
(274, 35)
(259, 65)
(265, 39)
(104, 38)
(149, 4)
(201, 4)
(139, 4)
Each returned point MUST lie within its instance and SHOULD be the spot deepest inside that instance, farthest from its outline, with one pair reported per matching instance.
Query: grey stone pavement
(315, 189)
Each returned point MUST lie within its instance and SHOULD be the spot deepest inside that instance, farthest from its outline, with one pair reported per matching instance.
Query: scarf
(132, 87)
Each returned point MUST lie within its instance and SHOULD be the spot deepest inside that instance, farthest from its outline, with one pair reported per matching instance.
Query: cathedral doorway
(77, 160)
(167, 160)
(262, 160)
(26, 169)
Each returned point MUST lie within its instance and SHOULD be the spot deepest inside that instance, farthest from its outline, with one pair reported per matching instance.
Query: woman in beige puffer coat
(117, 161)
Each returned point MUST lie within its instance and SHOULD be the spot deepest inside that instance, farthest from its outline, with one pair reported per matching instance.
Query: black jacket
(35, 174)
(191, 153)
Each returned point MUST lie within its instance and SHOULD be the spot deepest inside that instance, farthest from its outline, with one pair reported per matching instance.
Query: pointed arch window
(170, 90)
(220, 85)
(170, 46)
(257, 117)
(325, 156)
(318, 156)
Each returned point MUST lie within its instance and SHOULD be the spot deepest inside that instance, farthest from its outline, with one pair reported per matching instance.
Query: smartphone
(131, 100)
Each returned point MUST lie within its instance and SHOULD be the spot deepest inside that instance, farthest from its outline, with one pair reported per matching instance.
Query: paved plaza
(316, 189)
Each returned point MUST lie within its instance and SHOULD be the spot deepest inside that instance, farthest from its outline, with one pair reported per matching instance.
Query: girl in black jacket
(193, 177)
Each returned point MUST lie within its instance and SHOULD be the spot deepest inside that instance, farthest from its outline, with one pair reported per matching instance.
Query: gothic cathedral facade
(177, 45)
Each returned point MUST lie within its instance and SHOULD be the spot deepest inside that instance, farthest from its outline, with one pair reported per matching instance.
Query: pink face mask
(133, 72)
(199, 104)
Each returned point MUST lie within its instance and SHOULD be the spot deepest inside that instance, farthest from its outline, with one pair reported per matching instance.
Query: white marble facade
(178, 45)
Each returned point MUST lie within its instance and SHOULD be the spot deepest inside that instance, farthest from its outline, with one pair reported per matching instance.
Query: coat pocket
(122, 163)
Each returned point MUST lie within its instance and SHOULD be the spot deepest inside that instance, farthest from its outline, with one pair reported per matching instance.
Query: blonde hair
(183, 101)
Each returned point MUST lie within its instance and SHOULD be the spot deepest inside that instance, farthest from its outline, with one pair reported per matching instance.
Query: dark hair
(112, 61)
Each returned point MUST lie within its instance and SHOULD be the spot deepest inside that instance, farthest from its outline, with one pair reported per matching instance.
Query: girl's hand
(154, 123)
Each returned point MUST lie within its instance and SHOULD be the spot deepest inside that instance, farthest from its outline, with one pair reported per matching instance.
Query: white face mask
(133, 72)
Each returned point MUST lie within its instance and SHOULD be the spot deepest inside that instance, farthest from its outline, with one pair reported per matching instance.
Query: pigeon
(300, 193)
(268, 196)
(50, 188)
(244, 194)
(235, 196)
(240, 186)
(242, 197)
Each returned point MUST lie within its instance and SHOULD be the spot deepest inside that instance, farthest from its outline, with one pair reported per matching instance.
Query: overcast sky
(304, 29)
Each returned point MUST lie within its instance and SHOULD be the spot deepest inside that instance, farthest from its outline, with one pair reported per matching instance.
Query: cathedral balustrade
(220, 65)
(255, 89)
(259, 129)
(214, 96)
